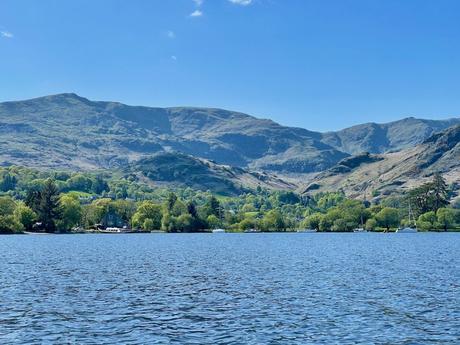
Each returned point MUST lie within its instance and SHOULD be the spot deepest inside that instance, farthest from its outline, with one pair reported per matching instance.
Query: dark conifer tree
(214, 207)
(33, 199)
(8, 183)
(172, 198)
(440, 192)
(48, 208)
(191, 208)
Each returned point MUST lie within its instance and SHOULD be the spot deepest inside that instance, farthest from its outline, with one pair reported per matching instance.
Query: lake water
(230, 289)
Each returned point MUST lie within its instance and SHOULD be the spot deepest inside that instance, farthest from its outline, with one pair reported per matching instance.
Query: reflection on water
(230, 289)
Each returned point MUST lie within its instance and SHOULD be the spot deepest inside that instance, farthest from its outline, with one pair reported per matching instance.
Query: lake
(230, 289)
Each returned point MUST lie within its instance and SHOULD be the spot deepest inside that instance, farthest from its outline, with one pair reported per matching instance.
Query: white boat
(251, 231)
(36, 233)
(306, 230)
(408, 229)
(361, 229)
(218, 231)
(111, 230)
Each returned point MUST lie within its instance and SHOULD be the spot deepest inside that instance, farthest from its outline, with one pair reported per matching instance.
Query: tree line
(62, 202)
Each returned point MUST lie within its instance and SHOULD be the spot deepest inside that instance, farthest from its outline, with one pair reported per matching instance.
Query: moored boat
(360, 229)
(218, 231)
(115, 230)
(409, 229)
(111, 230)
(306, 230)
(251, 231)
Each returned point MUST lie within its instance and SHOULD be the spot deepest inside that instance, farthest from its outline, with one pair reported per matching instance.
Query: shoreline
(28, 233)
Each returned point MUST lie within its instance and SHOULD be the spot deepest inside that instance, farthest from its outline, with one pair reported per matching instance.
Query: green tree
(70, 212)
(329, 200)
(148, 210)
(327, 221)
(191, 209)
(340, 225)
(8, 182)
(99, 185)
(371, 224)
(8, 224)
(387, 218)
(421, 199)
(440, 191)
(79, 182)
(427, 221)
(446, 217)
(93, 213)
(167, 222)
(213, 222)
(149, 224)
(288, 197)
(273, 221)
(171, 201)
(246, 208)
(184, 223)
(7, 206)
(25, 215)
(179, 209)
(313, 221)
(247, 223)
(124, 209)
(213, 207)
(33, 199)
(48, 208)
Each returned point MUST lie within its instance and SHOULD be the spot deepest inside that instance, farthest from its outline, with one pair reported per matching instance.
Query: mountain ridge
(70, 131)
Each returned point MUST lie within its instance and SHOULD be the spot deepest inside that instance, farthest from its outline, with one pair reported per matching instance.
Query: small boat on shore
(36, 233)
(409, 229)
(361, 228)
(218, 231)
(111, 231)
(251, 231)
(306, 230)
(114, 230)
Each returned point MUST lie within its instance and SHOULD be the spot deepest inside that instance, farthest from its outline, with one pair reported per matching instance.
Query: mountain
(370, 175)
(380, 138)
(67, 131)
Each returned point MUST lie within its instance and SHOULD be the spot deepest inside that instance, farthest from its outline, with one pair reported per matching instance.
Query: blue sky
(318, 64)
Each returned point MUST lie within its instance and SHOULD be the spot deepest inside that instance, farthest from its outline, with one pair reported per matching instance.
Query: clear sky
(318, 64)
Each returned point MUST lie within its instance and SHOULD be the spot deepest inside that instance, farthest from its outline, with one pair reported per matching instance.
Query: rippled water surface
(230, 289)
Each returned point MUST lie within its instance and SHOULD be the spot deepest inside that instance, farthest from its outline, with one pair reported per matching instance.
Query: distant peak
(67, 95)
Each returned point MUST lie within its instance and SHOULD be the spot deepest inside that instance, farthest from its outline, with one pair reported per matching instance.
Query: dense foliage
(60, 201)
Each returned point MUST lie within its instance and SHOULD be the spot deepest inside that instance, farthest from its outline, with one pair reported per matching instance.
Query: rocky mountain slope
(374, 175)
(71, 132)
(198, 173)
(380, 138)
